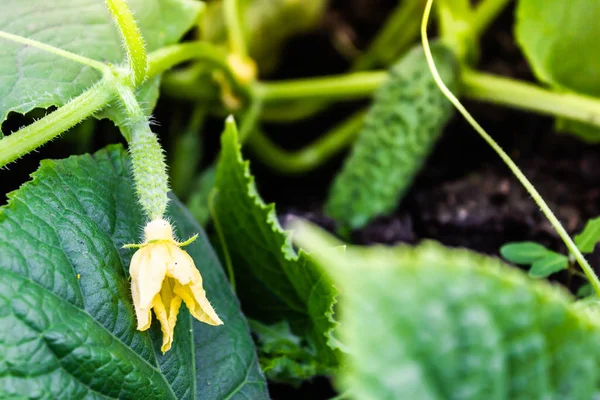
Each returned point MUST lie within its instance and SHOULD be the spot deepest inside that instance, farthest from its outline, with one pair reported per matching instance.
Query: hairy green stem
(587, 269)
(38, 133)
(527, 96)
(132, 39)
(348, 86)
(311, 156)
(485, 13)
(147, 157)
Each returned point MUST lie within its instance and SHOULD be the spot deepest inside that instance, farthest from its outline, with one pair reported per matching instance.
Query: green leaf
(559, 39)
(523, 252)
(284, 357)
(587, 240)
(437, 323)
(274, 283)
(585, 132)
(548, 265)
(586, 290)
(31, 78)
(67, 325)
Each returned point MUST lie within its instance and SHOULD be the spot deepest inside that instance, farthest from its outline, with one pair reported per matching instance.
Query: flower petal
(182, 266)
(148, 269)
(144, 315)
(163, 318)
(195, 299)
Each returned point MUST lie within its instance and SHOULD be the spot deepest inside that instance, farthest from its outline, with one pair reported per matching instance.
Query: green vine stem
(485, 13)
(132, 39)
(292, 111)
(455, 20)
(43, 130)
(311, 156)
(527, 96)
(348, 86)
(587, 269)
(250, 119)
(475, 85)
(166, 58)
(235, 30)
(399, 31)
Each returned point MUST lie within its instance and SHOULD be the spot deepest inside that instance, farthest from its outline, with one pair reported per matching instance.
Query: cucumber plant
(101, 299)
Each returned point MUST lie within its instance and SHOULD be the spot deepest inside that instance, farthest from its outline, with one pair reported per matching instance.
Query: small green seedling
(544, 262)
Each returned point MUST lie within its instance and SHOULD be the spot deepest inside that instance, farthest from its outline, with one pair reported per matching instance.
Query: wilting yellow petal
(163, 318)
(148, 269)
(182, 268)
(162, 276)
(195, 300)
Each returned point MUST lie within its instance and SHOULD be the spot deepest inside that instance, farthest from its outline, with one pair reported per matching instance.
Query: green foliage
(31, 78)
(284, 357)
(587, 240)
(559, 39)
(275, 283)
(523, 252)
(436, 323)
(543, 262)
(548, 265)
(401, 127)
(567, 61)
(67, 326)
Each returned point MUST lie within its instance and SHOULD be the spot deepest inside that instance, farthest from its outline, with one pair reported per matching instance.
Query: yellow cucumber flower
(162, 276)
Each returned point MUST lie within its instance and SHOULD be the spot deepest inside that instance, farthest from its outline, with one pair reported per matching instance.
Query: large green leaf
(559, 39)
(31, 78)
(437, 323)
(67, 325)
(273, 282)
(283, 356)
